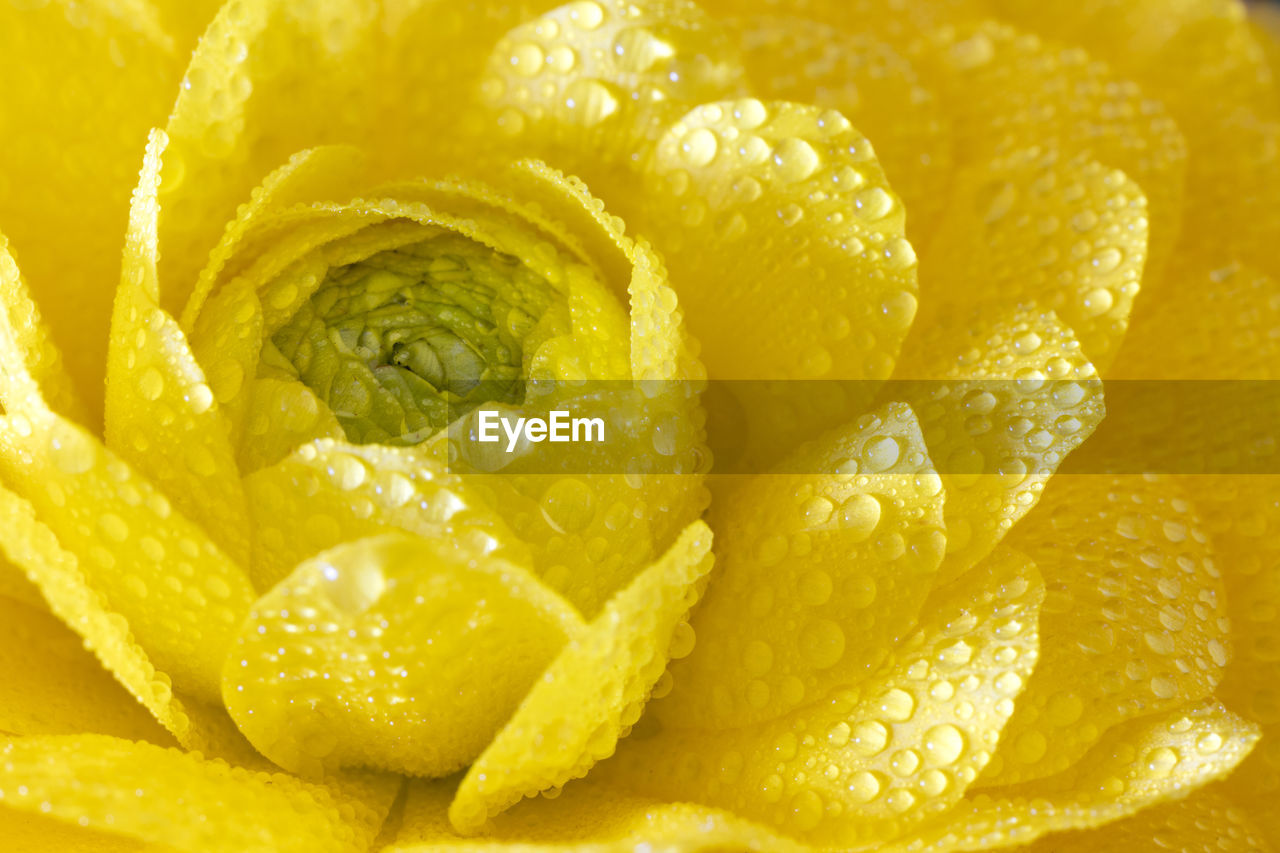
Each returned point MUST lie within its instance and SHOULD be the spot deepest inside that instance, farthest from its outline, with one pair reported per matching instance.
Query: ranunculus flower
(262, 589)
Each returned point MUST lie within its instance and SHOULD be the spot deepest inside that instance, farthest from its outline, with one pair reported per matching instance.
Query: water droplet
(870, 737)
(586, 14)
(72, 452)
(815, 587)
(899, 309)
(1107, 260)
(864, 786)
(806, 810)
(592, 100)
(881, 453)
(816, 511)
(796, 160)
(859, 516)
(897, 705)
(943, 744)
(151, 384)
(699, 147)
(683, 640)
(1161, 761)
(568, 505)
(872, 204)
(527, 59)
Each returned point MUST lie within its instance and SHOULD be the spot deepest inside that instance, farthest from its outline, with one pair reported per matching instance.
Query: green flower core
(406, 340)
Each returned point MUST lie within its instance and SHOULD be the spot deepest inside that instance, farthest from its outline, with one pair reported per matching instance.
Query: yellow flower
(317, 616)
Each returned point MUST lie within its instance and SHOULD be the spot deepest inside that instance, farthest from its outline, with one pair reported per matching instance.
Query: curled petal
(874, 86)
(584, 819)
(161, 413)
(1036, 228)
(53, 687)
(408, 654)
(1004, 397)
(594, 690)
(820, 574)
(1206, 820)
(168, 797)
(71, 156)
(591, 86)
(1008, 91)
(1139, 764)
(1135, 621)
(860, 765)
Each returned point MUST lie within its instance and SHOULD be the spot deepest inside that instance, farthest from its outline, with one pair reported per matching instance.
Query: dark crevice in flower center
(406, 340)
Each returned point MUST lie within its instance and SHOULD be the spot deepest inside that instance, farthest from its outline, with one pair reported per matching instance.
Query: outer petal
(406, 654)
(1204, 822)
(820, 575)
(1004, 395)
(586, 818)
(1141, 763)
(169, 797)
(84, 82)
(594, 690)
(1199, 57)
(1034, 227)
(161, 414)
(1135, 621)
(890, 752)
(591, 87)
(871, 84)
(180, 593)
(1008, 91)
(51, 686)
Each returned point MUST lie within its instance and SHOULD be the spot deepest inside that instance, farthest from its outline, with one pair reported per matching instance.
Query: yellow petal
(1200, 59)
(820, 574)
(181, 595)
(24, 832)
(1003, 395)
(1205, 821)
(270, 79)
(1007, 90)
(71, 154)
(594, 691)
(897, 22)
(31, 361)
(329, 492)
(65, 592)
(1214, 321)
(1135, 621)
(860, 765)
(586, 818)
(161, 414)
(1140, 763)
(871, 84)
(169, 797)
(408, 653)
(51, 686)
(1038, 228)
(591, 87)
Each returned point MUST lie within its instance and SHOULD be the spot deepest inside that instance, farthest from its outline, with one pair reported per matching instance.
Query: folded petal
(1134, 623)
(168, 797)
(820, 574)
(85, 82)
(395, 652)
(594, 690)
(1139, 764)
(1199, 58)
(1006, 90)
(858, 73)
(51, 686)
(61, 586)
(1004, 395)
(591, 87)
(586, 818)
(866, 762)
(162, 416)
(1206, 820)
(1035, 227)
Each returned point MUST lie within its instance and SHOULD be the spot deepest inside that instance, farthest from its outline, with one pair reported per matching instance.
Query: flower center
(405, 341)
